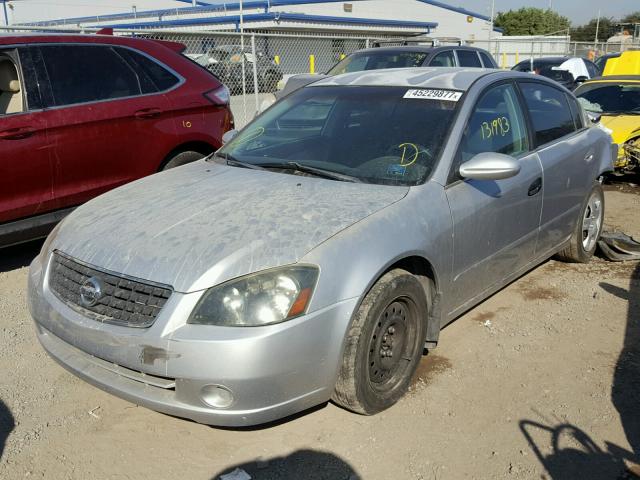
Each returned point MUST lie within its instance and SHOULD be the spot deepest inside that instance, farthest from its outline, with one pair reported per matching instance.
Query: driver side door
(495, 222)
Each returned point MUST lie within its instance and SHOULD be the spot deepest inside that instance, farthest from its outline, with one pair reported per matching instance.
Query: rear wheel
(585, 237)
(181, 158)
(384, 344)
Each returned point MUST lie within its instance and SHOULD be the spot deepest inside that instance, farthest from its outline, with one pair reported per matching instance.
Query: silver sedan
(323, 248)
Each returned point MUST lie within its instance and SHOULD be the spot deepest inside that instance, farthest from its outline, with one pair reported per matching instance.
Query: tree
(587, 32)
(631, 18)
(531, 21)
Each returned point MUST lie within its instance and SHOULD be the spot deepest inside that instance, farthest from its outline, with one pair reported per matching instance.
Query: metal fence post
(255, 73)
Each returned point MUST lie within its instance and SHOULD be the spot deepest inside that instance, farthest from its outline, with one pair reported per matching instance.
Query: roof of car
(615, 78)
(434, 77)
(414, 48)
(21, 38)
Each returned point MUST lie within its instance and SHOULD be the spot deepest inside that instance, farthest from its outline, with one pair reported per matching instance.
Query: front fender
(352, 261)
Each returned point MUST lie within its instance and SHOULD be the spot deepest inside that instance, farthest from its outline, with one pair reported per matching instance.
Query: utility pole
(597, 28)
(6, 15)
(493, 10)
(243, 58)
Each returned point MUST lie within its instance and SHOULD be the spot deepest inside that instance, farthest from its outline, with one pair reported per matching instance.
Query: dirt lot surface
(540, 381)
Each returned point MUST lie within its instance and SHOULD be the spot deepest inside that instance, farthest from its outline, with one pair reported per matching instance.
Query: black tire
(391, 319)
(181, 158)
(582, 245)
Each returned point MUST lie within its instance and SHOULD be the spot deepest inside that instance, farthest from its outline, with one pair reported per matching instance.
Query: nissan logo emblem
(91, 292)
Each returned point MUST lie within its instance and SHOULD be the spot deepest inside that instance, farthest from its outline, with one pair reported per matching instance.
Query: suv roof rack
(432, 41)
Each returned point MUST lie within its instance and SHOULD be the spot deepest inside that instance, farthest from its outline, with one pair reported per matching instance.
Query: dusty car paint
(202, 224)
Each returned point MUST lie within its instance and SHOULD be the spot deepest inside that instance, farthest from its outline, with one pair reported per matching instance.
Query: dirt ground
(538, 382)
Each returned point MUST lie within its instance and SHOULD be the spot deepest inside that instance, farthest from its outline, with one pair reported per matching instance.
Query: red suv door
(25, 169)
(108, 123)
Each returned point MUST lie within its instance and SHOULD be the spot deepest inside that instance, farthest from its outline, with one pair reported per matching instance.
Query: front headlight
(258, 299)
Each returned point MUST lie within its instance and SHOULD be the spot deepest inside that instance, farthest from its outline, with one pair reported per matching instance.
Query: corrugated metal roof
(276, 16)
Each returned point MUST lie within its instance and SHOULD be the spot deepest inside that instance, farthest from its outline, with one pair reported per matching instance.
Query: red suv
(82, 114)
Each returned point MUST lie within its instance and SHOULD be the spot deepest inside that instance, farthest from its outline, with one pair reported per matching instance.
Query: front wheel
(384, 344)
(181, 158)
(585, 237)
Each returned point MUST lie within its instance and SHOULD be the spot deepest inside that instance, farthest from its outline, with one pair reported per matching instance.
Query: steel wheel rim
(391, 344)
(591, 222)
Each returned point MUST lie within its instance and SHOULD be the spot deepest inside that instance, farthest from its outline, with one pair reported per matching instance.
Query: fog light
(216, 396)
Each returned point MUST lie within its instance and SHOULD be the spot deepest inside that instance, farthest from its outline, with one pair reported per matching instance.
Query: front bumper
(272, 371)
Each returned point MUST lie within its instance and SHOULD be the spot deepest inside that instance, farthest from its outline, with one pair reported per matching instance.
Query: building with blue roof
(339, 17)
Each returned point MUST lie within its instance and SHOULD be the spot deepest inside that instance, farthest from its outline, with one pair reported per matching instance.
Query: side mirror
(581, 79)
(490, 166)
(228, 136)
(594, 117)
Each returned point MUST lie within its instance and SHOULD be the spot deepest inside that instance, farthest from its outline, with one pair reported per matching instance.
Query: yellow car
(616, 100)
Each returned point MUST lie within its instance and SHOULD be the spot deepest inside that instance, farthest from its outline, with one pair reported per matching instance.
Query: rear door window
(468, 58)
(149, 70)
(443, 59)
(487, 61)
(88, 73)
(549, 111)
(576, 112)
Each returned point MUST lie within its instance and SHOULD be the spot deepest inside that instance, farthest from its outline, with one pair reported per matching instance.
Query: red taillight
(219, 96)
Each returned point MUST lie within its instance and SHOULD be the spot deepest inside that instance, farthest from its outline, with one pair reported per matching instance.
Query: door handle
(535, 187)
(588, 158)
(148, 113)
(17, 133)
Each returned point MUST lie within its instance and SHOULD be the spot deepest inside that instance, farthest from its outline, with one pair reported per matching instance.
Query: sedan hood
(202, 224)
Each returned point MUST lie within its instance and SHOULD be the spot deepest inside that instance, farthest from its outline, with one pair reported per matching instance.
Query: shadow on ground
(302, 464)
(19, 256)
(7, 424)
(570, 452)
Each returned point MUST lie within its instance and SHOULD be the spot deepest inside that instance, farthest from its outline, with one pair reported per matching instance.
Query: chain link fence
(508, 52)
(253, 64)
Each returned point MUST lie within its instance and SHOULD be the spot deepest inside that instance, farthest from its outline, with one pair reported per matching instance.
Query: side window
(468, 58)
(576, 112)
(549, 110)
(486, 60)
(83, 73)
(496, 125)
(11, 98)
(30, 80)
(591, 68)
(443, 59)
(149, 70)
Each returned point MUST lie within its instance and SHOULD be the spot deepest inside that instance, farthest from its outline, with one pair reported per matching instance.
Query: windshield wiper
(318, 172)
(234, 162)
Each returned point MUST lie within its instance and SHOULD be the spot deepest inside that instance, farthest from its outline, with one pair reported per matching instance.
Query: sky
(578, 11)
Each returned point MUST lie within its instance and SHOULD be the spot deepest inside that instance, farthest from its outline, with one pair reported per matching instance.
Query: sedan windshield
(610, 98)
(377, 61)
(384, 135)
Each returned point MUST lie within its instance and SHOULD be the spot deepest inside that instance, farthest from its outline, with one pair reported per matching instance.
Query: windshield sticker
(431, 94)
(396, 169)
(498, 126)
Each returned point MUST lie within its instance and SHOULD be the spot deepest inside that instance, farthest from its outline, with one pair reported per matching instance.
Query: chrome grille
(124, 301)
